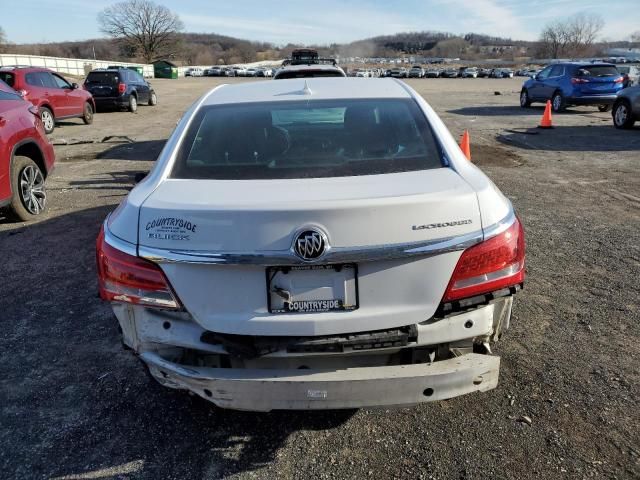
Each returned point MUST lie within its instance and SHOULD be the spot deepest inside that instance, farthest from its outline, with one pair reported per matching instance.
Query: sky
(324, 21)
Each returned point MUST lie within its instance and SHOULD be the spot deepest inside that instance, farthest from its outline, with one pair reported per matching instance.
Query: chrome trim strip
(499, 227)
(334, 255)
(118, 243)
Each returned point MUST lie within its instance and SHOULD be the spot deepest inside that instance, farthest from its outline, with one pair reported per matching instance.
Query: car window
(544, 73)
(60, 82)
(309, 139)
(308, 74)
(138, 77)
(34, 79)
(4, 95)
(8, 78)
(556, 71)
(598, 71)
(103, 78)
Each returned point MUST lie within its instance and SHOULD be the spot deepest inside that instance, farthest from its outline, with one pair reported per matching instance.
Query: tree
(573, 36)
(3, 40)
(144, 27)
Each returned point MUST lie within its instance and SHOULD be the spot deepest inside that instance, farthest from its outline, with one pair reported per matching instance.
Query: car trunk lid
(263, 217)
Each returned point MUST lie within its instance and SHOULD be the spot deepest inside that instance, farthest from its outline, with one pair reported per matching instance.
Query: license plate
(312, 288)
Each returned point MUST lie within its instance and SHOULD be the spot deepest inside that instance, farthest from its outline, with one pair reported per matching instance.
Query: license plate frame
(270, 276)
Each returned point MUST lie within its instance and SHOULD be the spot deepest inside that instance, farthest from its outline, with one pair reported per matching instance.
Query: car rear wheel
(604, 108)
(48, 120)
(133, 104)
(153, 99)
(29, 195)
(622, 115)
(87, 114)
(525, 101)
(557, 102)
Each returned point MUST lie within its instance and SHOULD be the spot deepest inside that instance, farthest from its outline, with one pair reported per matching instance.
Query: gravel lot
(73, 404)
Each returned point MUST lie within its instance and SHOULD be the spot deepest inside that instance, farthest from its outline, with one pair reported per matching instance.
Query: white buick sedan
(314, 244)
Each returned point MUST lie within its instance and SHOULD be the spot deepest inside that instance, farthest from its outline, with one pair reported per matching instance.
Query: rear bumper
(265, 390)
(593, 100)
(122, 101)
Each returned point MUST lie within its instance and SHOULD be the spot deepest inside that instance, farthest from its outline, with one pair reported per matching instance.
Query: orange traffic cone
(545, 122)
(465, 144)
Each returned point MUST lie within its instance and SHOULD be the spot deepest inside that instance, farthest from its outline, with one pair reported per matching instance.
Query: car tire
(29, 195)
(153, 99)
(133, 104)
(604, 108)
(87, 114)
(48, 120)
(525, 101)
(622, 115)
(557, 102)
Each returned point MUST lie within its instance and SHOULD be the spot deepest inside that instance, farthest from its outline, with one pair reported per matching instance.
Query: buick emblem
(310, 244)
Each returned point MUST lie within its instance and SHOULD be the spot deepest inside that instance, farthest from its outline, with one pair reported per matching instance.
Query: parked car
(250, 72)
(631, 75)
(239, 71)
(626, 107)
(361, 72)
(194, 72)
(449, 73)
(399, 72)
(471, 72)
(573, 83)
(55, 98)
(120, 88)
(506, 73)
(416, 72)
(26, 156)
(308, 71)
(432, 73)
(246, 269)
(484, 73)
(263, 72)
(213, 72)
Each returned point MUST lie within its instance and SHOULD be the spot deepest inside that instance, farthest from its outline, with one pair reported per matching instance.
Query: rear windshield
(307, 139)
(105, 78)
(598, 71)
(7, 78)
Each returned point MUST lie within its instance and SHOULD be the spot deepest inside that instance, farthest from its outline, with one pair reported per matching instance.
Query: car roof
(24, 68)
(313, 88)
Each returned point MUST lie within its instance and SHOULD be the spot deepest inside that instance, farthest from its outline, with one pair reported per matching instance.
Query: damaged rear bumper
(267, 389)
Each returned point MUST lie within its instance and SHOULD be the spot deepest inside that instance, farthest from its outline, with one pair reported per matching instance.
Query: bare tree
(143, 26)
(635, 37)
(573, 36)
(3, 40)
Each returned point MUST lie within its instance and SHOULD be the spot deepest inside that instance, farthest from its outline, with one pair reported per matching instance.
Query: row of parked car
(417, 71)
(32, 100)
(233, 71)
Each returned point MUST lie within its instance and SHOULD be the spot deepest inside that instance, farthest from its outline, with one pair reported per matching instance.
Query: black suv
(119, 88)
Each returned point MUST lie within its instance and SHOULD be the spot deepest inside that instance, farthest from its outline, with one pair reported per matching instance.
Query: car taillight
(492, 265)
(122, 87)
(579, 80)
(619, 79)
(130, 279)
(22, 93)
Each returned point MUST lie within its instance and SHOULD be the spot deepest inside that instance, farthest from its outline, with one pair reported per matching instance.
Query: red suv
(26, 156)
(55, 98)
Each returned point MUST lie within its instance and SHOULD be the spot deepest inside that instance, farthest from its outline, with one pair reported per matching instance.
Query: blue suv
(573, 83)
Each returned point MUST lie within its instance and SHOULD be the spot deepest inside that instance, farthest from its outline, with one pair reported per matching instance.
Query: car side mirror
(75, 86)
